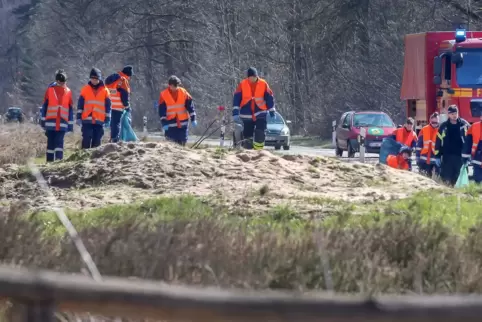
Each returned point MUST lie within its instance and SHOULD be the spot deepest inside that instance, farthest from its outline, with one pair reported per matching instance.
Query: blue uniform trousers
(55, 145)
(177, 135)
(92, 135)
(115, 125)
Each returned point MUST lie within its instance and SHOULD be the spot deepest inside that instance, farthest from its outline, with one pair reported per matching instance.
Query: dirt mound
(257, 180)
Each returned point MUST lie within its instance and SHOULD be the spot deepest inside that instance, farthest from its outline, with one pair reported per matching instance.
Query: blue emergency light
(460, 35)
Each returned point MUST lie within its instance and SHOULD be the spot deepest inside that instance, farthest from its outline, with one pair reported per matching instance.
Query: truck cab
(442, 68)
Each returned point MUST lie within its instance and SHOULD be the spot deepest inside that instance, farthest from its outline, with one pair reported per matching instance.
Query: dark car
(378, 126)
(14, 114)
(277, 132)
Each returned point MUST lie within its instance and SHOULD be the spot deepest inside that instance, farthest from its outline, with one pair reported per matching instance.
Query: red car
(378, 124)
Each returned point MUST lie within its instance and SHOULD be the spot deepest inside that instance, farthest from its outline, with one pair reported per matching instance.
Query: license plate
(376, 144)
(270, 138)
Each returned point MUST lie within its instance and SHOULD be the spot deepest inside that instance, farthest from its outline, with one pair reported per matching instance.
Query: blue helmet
(405, 149)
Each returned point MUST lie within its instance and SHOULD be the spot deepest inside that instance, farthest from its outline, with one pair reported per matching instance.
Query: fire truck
(442, 68)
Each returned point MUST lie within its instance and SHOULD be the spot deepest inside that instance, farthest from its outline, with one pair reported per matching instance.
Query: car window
(346, 121)
(372, 119)
(277, 119)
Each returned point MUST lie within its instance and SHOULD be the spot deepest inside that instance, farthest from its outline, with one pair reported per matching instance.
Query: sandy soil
(255, 180)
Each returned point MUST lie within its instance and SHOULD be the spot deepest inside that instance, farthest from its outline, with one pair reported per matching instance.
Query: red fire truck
(443, 68)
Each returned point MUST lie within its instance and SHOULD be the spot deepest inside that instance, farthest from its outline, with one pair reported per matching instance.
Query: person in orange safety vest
(94, 110)
(176, 109)
(401, 160)
(252, 102)
(425, 151)
(406, 135)
(120, 92)
(57, 115)
(473, 149)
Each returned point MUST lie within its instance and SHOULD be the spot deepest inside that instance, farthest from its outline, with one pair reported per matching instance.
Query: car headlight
(285, 131)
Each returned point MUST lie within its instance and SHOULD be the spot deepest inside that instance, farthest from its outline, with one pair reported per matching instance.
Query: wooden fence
(38, 294)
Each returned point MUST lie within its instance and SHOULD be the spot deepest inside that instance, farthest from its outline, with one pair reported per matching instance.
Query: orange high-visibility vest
(475, 131)
(94, 104)
(429, 136)
(257, 96)
(115, 94)
(176, 109)
(405, 138)
(397, 162)
(58, 110)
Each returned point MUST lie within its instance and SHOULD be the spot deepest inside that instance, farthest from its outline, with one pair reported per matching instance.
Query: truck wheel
(286, 147)
(277, 147)
(351, 151)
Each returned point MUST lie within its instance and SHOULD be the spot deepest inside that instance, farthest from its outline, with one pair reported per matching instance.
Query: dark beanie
(453, 109)
(252, 72)
(61, 75)
(174, 80)
(95, 72)
(128, 70)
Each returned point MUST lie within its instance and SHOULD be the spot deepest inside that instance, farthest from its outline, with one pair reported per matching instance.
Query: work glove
(128, 109)
(272, 113)
(466, 161)
(194, 123)
(107, 124)
(79, 122)
(236, 118)
(438, 163)
(165, 127)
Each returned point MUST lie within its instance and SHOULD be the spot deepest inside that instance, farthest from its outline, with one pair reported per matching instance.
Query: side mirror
(450, 91)
(437, 66)
(437, 80)
(440, 93)
(288, 122)
(457, 59)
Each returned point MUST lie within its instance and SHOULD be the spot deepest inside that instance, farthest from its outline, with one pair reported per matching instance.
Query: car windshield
(470, 73)
(277, 119)
(372, 119)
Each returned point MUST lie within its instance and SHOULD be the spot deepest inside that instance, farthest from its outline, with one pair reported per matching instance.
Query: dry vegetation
(154, 210)
(321, 57)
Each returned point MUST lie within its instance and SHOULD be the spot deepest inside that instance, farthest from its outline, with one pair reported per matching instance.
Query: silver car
(277, 132)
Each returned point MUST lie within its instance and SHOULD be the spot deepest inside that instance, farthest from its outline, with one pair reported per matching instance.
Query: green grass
(146, 212)
(459, 212)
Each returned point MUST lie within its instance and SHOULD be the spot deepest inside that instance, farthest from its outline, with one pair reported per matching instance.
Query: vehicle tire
(277, 147)
(286, 147)
(338, 150)
(351, 151)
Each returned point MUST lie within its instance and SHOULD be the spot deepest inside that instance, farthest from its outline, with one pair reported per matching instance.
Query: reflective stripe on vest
(115, 94)
(94, 105)
(429, 136)
(476, 136)
(404, 138)
(58, 108)
(176, 109)
(258, 96)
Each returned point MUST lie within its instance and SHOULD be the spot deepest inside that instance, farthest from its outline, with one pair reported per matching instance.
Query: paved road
(295, 149)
